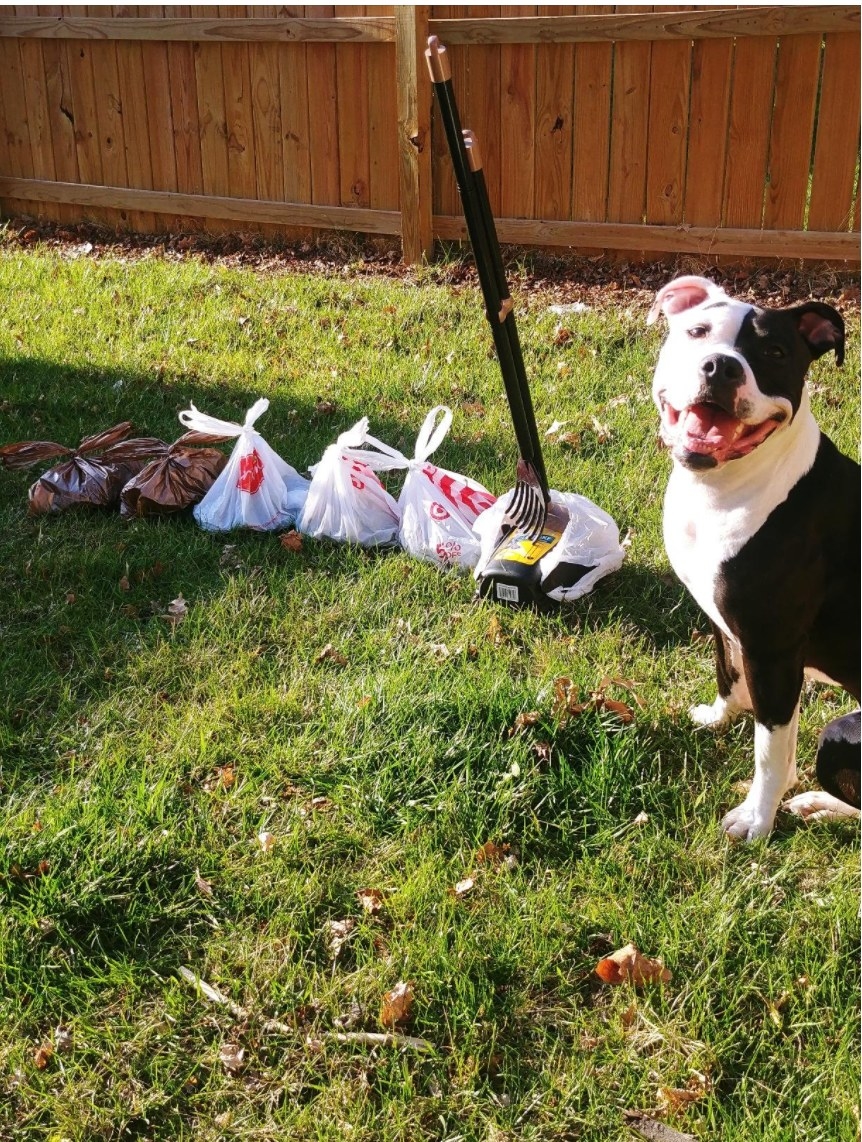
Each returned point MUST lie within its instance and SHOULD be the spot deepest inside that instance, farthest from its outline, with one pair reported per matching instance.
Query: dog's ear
(681, 294)
(821, 328)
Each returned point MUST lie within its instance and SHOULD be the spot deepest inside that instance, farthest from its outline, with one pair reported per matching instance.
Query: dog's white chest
(697, 543)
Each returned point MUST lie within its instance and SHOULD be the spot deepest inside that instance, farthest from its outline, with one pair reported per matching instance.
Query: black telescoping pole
(507, 308)
(480, 226)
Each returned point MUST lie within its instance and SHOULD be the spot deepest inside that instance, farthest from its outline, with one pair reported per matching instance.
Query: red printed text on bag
(357, 470)
(458, 493)
(250, 472)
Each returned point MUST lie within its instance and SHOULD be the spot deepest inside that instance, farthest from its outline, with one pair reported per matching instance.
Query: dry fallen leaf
(325, 407)
(495, 855)
(464, 886)
(371, 900)
(395, 1008)
(125, 585)
(340, 932)
(523, 720)
(177, 611)
(42, 1055)
(291, 541)
(231, 1056)
(266, 840)
(227, 777)
(62, 1038)
(70, 598)
(330, 654)
(628, 966)
(203, 886)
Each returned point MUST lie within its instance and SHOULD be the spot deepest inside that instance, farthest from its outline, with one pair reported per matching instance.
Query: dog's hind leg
(838, 770)
(733, 696)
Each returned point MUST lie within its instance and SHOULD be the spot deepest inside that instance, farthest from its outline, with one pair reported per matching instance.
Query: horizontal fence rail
(729, 132)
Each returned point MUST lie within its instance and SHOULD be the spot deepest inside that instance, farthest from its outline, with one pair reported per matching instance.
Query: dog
(762, 525)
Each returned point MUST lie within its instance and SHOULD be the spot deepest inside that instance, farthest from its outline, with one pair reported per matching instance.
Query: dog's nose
(719, 369)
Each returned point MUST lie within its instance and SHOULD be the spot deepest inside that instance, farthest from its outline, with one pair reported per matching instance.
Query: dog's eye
(698, 331)
(774, 351)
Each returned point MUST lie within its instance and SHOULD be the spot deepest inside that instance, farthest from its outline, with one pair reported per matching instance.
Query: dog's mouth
(704, 434)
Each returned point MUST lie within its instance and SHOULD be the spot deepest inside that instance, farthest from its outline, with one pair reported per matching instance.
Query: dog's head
(731, 375)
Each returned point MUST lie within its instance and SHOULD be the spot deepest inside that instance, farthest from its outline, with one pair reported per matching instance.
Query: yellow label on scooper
(519, 549)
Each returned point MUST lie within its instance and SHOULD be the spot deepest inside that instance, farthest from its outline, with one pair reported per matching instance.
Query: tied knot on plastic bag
(177, 478)
(93, 474)
(347, 501)
(438, 507)
(255, 488)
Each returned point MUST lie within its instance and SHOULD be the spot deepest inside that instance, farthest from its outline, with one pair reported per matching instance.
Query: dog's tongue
(709, 423)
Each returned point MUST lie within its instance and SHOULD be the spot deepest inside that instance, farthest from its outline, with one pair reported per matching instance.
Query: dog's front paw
(747, 822)
(819, 806)
(713, 717)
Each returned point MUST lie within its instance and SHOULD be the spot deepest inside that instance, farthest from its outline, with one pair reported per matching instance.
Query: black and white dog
(762, 525)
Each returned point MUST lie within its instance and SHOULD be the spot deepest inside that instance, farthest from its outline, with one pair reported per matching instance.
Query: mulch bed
(558, 277)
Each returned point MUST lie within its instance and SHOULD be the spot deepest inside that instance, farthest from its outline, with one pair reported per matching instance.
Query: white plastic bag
(257, 488)
(588, 550)
(346, 500)
(439, 508)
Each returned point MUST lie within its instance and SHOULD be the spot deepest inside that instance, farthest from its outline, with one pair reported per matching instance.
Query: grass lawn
(141, 761)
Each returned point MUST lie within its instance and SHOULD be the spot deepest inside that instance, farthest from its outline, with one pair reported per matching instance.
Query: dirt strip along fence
(727, 132)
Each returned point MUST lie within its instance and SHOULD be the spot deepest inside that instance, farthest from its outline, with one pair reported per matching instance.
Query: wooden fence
(715, 131)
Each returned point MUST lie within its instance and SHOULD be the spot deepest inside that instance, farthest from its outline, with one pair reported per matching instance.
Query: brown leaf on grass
(496, 635)
(227, 777)
(125, 585)
(42, 1055)
(371, 900)
(396, 1004)
(628, 966)
(494, 855)
(566, 704)
(340, 932)
(675, 1099)
(462, 887)
(231, 1056)
(602, 431)
(562, 336)
(542, 750)
(570, 439)
(523, 720)
(653, 1130)
(71, 598)
(203, 886)
(330, 654)
(291, 541)
(325, 407)
(62, 1038)
(177, 611)
(266, 840)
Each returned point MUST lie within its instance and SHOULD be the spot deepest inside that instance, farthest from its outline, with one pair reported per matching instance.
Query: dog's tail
(839, 759)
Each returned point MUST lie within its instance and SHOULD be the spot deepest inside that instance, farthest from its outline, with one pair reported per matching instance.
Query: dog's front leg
(733, 696)
(775, 688)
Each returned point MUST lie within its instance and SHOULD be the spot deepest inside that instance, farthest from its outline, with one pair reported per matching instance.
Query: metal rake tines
(527, 509)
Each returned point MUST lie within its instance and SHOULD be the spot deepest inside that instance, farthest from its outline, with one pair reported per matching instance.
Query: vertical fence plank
(748, 136)
(135, 117)
(293, 87)
(184, 115)
(239, 128)
(414, 131)
(160, 118)
(383, 129)
(796, 82)
(629, 132)
(707, 131)
(109, 115)
(36, 102)
(836, 149)
(591, 119)
(670, 79)
(554, 94)
(482, 104)
(444, 190)
(518, 125)
(212, 120)
(352, 70)
(323, 118)
(266, 117)
(85, 111)
(58, 90)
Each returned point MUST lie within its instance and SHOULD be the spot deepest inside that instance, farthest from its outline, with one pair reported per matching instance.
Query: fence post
(414, 130)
